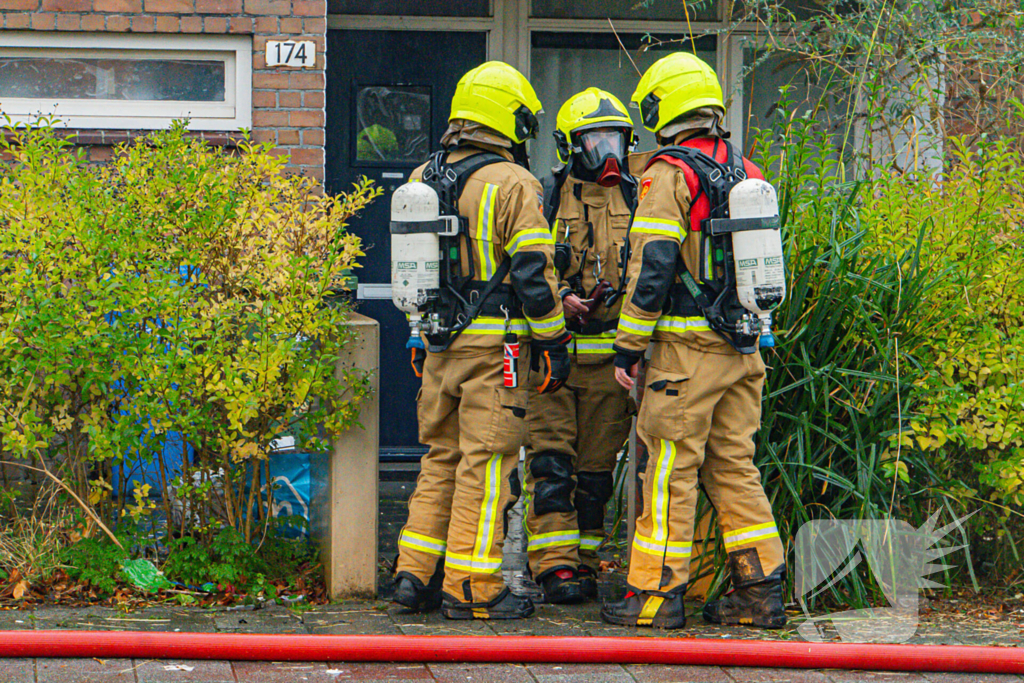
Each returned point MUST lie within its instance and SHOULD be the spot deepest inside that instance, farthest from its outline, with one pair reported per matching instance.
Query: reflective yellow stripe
(553, 538)
(486, 325)
(662, 472)
(593, 345)
(469, 563)
(646, 544)
(664, 227)
(485, 231)
(488, 507)
(750, 534)
(550, 324)
(590, 542)
(528, 237)
(681, 325)
(636, 325)
(426, 544)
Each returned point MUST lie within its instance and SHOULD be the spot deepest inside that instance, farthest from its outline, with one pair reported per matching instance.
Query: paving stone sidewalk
(380, 617)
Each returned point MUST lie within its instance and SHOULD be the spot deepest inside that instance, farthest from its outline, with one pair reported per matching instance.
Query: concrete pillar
(343, 512)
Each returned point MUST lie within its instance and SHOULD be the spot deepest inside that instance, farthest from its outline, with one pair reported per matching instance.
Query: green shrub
(178, 288)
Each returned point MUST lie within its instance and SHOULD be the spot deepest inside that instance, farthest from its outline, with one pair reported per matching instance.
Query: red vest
(701, 208)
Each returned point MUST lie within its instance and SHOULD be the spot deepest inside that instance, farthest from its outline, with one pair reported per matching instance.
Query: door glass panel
(416, 8)
(563, 64)
(649, 10)
(392, 124)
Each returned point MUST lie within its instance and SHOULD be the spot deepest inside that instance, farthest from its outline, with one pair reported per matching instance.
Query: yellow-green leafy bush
(178, 288)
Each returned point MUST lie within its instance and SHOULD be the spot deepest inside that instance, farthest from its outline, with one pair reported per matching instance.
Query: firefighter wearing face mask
(576, 433)
(499, 291)
(701, 405)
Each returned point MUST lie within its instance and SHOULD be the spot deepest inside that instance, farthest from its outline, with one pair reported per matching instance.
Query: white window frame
(233, 113)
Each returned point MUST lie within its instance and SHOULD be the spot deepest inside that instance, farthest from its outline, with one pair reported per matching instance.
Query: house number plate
(297, 53)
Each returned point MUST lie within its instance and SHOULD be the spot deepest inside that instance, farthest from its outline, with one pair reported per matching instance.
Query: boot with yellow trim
(507, 605)
(561, 586)
(647, 608)
(412, 594)
(756, 600)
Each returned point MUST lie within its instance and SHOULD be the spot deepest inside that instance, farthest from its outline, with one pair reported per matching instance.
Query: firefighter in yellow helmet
(701, 405)
(576, 433)
(498, 290)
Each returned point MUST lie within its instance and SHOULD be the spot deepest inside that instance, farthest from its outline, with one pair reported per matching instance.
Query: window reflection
(112, 79)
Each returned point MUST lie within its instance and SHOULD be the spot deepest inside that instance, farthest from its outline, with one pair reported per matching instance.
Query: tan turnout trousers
(699, 414)
(702, 401)
(473, 425)
(588, 420)
(575, 433)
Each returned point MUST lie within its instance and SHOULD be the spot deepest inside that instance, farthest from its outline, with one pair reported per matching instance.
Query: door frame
(510, 30)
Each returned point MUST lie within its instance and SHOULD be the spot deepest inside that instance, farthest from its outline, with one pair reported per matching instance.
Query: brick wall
(288, 104)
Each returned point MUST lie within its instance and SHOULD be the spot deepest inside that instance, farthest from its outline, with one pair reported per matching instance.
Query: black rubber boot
(755, 602)
(647, 609)
(506, 606)
(412, 594)
(588, 582)
(561, 586)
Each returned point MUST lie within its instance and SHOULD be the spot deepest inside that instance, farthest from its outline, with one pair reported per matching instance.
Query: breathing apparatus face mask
(599, 155)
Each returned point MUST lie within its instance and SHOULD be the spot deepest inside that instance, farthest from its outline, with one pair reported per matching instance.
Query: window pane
(416, 8)
(563, 64)
(761, 92)
(665, 10)
(112, 79)
(392, 124)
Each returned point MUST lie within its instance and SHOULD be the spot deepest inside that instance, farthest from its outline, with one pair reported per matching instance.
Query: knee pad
(553, 484)
(593, 491)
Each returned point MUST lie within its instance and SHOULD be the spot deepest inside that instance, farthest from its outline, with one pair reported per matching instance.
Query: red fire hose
(515, 649)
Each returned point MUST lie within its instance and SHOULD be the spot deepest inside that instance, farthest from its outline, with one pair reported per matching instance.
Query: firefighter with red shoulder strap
(705, 270)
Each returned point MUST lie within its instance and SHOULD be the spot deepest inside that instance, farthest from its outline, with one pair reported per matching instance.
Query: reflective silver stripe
(636, 325)
(656, 226)
(489, 507)
(414, 541)
(682, 325)
(554, 538)
(661, 548)
(484, 325)
(528, 237)
(588, 542)
(666, 459)
(485, 231)
(750, 534)
(477, 565)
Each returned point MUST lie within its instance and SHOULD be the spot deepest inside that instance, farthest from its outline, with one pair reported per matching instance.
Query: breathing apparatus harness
(715, 297)
(603, 292)
(460, 299)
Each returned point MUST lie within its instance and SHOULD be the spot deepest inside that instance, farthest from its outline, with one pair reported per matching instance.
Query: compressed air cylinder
(415, 246)
(760, 272)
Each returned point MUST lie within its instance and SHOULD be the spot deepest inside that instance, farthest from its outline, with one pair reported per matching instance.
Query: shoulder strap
(552, 186)
(449, 180)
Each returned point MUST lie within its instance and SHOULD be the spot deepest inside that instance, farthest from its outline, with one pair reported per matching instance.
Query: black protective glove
(626, 359)
(550, 357)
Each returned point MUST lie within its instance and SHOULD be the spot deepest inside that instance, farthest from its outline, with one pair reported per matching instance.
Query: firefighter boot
(507, 605)
(416, 597)
(561, 586)
(641, 608)
(588, 581)
(758, 604)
